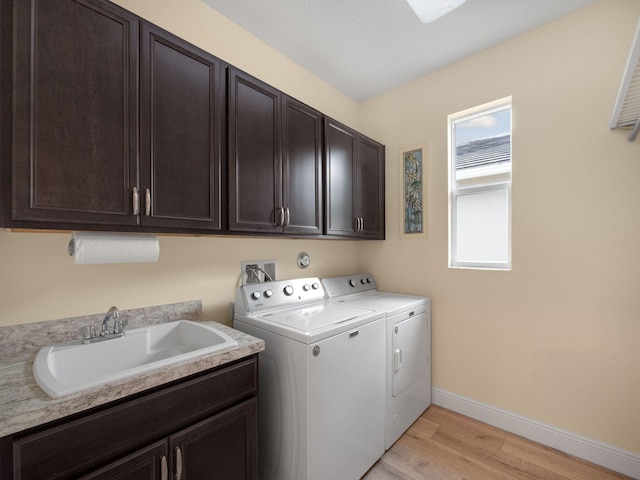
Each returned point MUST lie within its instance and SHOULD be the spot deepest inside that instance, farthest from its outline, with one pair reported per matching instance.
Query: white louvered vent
(627, 109)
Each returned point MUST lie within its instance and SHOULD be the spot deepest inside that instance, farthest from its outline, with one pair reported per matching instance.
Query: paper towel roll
(91, 248)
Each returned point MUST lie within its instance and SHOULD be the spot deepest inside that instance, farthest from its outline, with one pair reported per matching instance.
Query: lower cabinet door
(220, 447)
(149, 463)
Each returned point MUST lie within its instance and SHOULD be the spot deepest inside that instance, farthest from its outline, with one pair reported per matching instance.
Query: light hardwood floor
(443, 445)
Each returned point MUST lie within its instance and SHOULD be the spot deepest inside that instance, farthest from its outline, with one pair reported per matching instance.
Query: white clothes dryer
(408, 350)
(321, 396)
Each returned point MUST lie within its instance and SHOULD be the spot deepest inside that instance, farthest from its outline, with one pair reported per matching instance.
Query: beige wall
(38, 280)
(558, 338)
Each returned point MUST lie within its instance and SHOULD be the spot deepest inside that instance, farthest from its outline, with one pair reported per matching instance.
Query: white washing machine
(408, 336)
(321, 397)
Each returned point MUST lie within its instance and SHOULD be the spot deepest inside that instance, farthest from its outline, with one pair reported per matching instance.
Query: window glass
(480, 187)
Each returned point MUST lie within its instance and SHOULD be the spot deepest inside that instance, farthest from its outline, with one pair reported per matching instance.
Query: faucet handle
(120, 325)
(88, 332)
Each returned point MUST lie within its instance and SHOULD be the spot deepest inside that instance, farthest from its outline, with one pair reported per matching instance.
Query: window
(480, 187)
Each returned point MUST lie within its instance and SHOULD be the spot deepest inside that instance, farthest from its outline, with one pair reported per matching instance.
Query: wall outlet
(257, 271)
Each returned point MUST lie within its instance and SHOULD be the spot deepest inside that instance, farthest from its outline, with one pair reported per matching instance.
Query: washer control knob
(268, 293)
(288, 290)
(352, 282)
(255, 295)
(364, 281)
(315, 285)
(306, 287)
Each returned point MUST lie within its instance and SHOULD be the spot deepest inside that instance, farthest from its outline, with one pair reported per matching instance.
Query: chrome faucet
(113, 312)
(89, 332)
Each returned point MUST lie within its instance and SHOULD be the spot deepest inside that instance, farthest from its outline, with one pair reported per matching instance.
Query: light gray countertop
(24, 405)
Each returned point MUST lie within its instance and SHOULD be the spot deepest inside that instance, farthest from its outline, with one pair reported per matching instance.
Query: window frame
(456, 191)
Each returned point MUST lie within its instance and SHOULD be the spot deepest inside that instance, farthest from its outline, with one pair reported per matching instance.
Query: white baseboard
(601, 454)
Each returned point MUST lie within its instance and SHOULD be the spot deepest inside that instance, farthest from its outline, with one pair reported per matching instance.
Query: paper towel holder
(103, 248)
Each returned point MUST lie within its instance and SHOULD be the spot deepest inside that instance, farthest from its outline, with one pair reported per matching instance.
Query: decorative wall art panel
(413, 165)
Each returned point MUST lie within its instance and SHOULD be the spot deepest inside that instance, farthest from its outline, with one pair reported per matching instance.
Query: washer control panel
(348, 284)
(260, 296)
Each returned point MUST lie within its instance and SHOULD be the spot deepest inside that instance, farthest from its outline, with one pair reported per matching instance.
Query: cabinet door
(223, 446)
(75, 118)
(354, 175)
(369, 172)
(255, 164)
(340, 153)
(301, 168)
(182, 92)
(150, 463)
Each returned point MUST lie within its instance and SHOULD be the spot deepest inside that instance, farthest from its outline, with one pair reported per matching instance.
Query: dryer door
(410, 351)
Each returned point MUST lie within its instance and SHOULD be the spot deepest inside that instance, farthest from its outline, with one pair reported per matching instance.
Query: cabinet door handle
(286, 224)
(147, 202)
(178, 463)
(163, 468)
(281, 222)
(136, 201)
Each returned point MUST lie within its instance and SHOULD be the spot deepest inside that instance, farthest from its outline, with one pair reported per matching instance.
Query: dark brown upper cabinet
(111, 123)
(75, 119)
(117, 123)
(275, 160)
(354, 173)
(182, 95)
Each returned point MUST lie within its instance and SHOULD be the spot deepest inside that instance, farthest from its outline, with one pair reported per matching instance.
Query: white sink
(71, 367)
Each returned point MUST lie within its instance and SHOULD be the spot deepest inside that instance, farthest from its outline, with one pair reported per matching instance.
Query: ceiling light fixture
(430, 10)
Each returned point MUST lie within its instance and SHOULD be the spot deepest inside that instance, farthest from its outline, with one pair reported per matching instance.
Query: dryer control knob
(268, 293)
(288, 290)
(363, 281)
(315, 285)
(255, 295)
(353, 283)
(306, 287)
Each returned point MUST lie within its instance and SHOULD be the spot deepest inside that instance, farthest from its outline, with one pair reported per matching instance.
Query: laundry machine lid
(313, 322)
(391, 303)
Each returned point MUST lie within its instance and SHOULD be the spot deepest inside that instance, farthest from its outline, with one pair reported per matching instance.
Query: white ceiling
(365, 47)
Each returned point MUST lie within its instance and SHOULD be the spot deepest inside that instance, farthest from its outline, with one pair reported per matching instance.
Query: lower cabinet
(202, 427)
(218, 447)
